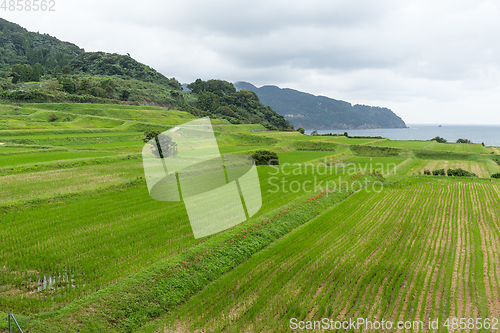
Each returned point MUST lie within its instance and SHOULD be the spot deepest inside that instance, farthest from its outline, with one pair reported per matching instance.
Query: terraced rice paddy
(48, 156)
(304, 156)
(343, 265)
(119, 230)
(460, 147)
(479, 168)
(402, 144)
(83, 245)
(52, 183)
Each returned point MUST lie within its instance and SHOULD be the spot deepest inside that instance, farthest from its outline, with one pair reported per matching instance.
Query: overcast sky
(428, 61)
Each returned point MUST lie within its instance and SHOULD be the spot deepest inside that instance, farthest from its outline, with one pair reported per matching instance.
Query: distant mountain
(318, 112)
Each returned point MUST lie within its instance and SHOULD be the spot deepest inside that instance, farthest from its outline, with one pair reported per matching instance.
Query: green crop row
(128, 304)
(90, 238)
(420, 249)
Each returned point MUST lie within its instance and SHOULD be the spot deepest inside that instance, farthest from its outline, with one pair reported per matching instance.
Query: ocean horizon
(487, 134)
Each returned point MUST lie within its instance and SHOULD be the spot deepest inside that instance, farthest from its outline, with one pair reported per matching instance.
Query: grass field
(303, 156)
(382, 164)
(460, 147)
(402, 144)
(481, 169)
(87, 257)
(47, 156)
(83, 245)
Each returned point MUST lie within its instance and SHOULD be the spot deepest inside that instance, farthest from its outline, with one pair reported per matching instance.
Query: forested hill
(36, 67)
(20, 46)
(318, 112)
(101, 63)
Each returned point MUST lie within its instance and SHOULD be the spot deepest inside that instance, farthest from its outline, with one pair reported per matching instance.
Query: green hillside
(101, 63)
(39, 68)
(20, 46)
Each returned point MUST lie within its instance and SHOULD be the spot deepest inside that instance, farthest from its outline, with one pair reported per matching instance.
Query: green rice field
(348, 228)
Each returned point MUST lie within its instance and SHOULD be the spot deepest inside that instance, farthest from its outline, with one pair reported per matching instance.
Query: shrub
(125, 95)
(427, 172)
(439, 139)
(460, 173)
(265, 157)
(52, 117)
(439, 172)
(496, 175)
(69, 86)
(464, 141)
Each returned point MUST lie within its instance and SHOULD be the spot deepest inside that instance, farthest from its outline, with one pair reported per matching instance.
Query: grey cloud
(413, 55)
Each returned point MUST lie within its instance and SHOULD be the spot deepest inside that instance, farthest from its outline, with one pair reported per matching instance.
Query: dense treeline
(217, 98)
(82, 88)
(459, 172)
(101, 63)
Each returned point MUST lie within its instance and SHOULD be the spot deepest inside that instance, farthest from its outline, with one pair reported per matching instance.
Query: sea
(489, 134)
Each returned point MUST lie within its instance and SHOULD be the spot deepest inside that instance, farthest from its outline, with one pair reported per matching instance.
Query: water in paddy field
(490, 135)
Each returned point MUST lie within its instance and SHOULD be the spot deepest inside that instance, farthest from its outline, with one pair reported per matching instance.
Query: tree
(315, 132)
(197, 86)
(69, 85)
(125, 95)
(460, 173)
(219, 87)
(164, 147)
(301, 130)
(439, 172)
(15, 77)
(255, 120)
(108, 86)
(37, 72)
(208, 101)
(85, 84)
(227, 111)
(346, 134)
(25, 73)
(56, 71)
(67, 70)
(265, 157)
